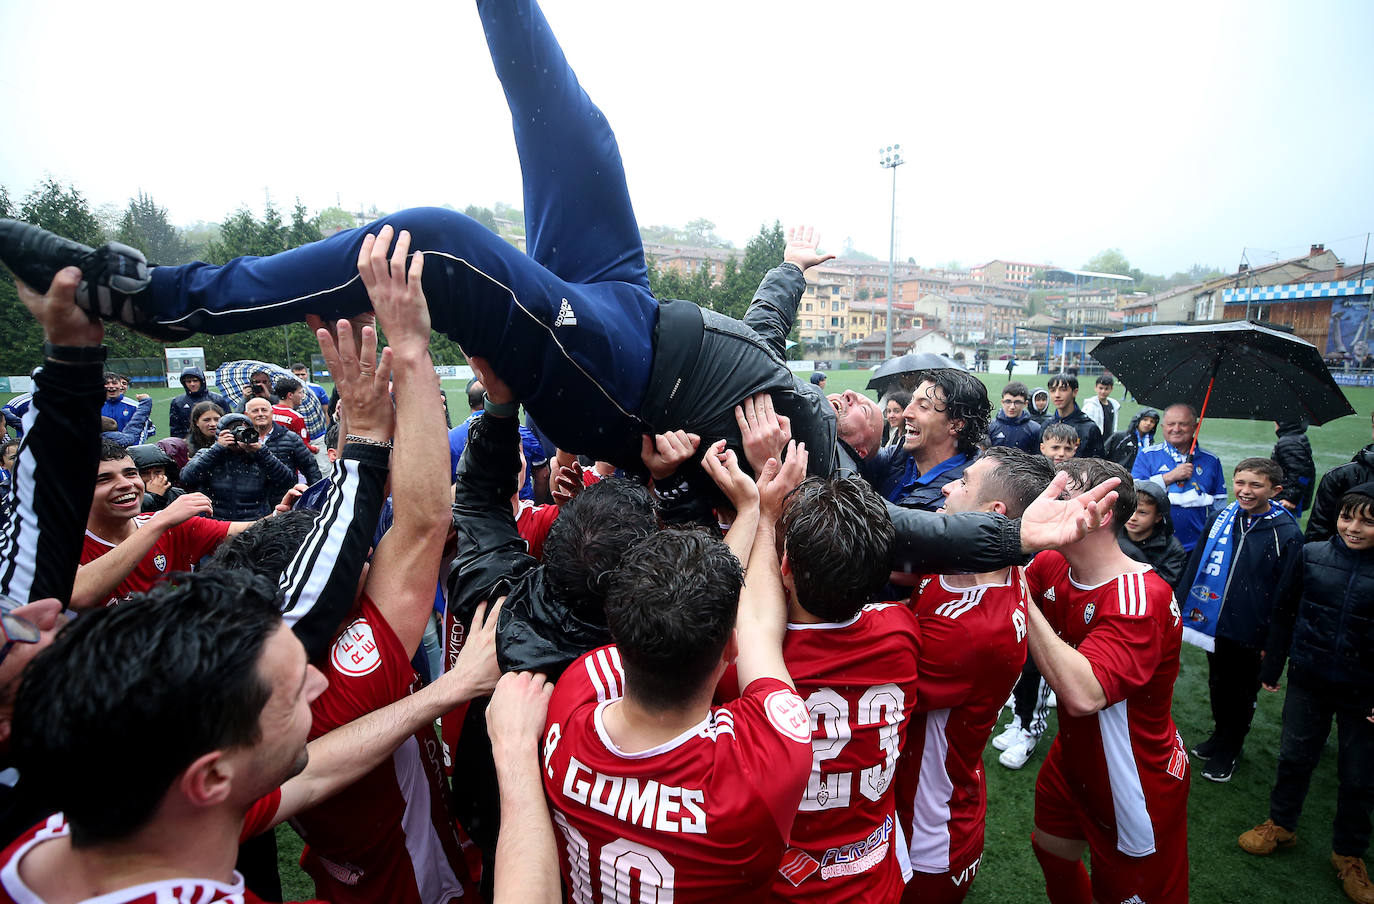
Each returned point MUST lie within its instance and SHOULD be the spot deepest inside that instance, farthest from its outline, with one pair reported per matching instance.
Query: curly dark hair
(591, 535)
(962, 397)
(838, 537)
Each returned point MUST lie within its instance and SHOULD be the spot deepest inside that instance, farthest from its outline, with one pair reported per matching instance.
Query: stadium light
(890, 157)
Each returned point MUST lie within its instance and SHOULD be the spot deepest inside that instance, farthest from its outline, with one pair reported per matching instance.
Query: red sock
(1066, 881)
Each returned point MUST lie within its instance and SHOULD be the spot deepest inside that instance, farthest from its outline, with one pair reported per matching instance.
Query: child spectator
(1293, 453)
(1248, 558)
(1329, 617)
(1040, 406)
(1013, 425)
(1149, 534)
(1102, 408)
(1122, 446)
(1058, 442)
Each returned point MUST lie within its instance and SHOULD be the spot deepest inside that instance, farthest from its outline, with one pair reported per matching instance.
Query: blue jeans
(570, 325)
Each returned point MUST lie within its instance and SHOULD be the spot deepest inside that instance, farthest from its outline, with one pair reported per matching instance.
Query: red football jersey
(178, 549)
(973, 645)
(13, 890)
(389, 836)
(858, 678)
(1128, 764)
(533, 523)
(704, 816)
(291, 419)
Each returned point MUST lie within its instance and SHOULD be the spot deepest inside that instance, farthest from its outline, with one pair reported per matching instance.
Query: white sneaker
(1008, 735)
(1017, 752)
(1052, 701)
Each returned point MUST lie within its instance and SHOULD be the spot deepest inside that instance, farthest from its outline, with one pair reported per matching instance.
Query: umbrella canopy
(1230, 370)
(902, 370)
(234, 377)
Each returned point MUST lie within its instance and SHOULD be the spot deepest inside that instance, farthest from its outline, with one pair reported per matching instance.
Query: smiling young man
(126, 552)
(1013, 425)
(1064, 397)
(944, 425)
(1249, 558)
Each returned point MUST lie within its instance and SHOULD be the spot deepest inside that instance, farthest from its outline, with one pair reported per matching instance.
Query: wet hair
(173, 672)
(111, 450)
(108, 424)
(1063, 379)
(7, 445)
(1265, 467)
(590, 537)
(265, 548)
(1017, 388)
(671, 606)
(285, 386)
(299, 366)
(112, 375)
(1086, 473)
(1060, 431)
(1017, 481)
(194, 439)
(965, 399)
(838, 537)
(1358, 502)
(1105, 380)
(331, 437)
(900, 396)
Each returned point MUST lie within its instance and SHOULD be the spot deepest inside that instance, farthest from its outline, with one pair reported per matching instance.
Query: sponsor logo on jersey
(859, 857)
(1088, 611)
(788, 715)
(566, 317)
(356, 653)
(924, 583)
(160, 562)
(1049, 594)
(1134, 899)
(797, 866)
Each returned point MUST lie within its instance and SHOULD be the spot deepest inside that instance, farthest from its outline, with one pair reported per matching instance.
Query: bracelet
(367, 441)
(499, 409)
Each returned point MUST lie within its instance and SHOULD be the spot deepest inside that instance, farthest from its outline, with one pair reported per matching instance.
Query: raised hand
(801, 248)
(765, 432)
(722, 466)
(1050, 522)
(397, 296)
(363, 382)
(63, 322)
(664, 453)
(776, 480)
(495, 387)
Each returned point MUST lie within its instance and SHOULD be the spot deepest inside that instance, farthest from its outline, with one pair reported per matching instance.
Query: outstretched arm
(54, 474)
(774, 307)
(526, 855)
(96, 580)
(405, 567)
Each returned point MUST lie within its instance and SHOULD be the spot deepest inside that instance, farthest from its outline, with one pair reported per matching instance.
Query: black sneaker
(1205, 749)
(112, 275)
(1219, 768)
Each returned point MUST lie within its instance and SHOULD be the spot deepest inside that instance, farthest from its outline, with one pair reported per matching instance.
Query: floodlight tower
(890, 158)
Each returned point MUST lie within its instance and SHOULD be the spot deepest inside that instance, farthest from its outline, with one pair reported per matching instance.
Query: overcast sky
(1039, 132)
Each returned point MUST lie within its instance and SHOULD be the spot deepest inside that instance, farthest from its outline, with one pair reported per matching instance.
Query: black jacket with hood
(179, 413)
(1123, 445)
(1161, 550)
(1293, 453)
(1321, 524)
(151, 456)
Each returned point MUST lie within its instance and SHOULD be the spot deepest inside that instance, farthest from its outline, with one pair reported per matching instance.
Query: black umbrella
(902, 370)
(1229, 370)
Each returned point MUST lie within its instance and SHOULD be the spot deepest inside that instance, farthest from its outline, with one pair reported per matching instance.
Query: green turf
(1220, 872)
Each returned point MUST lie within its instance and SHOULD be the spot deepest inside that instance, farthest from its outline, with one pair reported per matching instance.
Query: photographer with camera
(243, 473)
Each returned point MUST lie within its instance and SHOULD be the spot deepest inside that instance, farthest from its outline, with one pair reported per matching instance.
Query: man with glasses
(1013, 425)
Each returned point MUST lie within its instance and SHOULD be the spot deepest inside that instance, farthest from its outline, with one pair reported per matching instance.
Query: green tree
(333, 219)
(145, 226)
(1109, 261)
(483, 215)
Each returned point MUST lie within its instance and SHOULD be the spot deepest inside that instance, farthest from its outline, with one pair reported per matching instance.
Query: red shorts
(1159, 878)
(943, 888)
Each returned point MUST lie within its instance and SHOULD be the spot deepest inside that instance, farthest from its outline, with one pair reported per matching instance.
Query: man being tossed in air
(1106, 635)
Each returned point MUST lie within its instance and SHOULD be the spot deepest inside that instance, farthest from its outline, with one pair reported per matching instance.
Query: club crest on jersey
(1088, 611)
(160, 562)
(788, 715)
(356, 653)
(1049, 594)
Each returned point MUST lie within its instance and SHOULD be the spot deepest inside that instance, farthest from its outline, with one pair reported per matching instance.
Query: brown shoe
(1263, 838)
(1354, 877)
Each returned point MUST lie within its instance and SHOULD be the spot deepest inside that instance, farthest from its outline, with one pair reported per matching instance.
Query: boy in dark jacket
(1013, 425)
(1248, 558)
(1064, 397)
(179, 409)
(1325, 628)
(1149, 534)
(1293, 453)
(1122, 446)
(159, 473)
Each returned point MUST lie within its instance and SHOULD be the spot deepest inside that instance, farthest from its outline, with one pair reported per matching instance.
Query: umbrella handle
(1201, 415)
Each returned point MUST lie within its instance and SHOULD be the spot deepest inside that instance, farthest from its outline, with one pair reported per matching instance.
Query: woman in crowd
(894, 403)
(204, 426)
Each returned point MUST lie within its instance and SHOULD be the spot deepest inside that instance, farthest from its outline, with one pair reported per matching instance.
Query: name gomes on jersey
(653, 805)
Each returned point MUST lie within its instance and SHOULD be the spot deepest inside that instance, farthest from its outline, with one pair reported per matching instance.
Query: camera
(241, 427)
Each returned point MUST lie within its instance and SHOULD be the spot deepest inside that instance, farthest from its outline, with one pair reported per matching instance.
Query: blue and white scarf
(1203, 603)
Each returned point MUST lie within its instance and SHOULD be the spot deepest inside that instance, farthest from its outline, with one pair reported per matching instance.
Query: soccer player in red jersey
(855, 665)
(1106, 634)
(126, 552)
(655, 793)
(973, 645)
